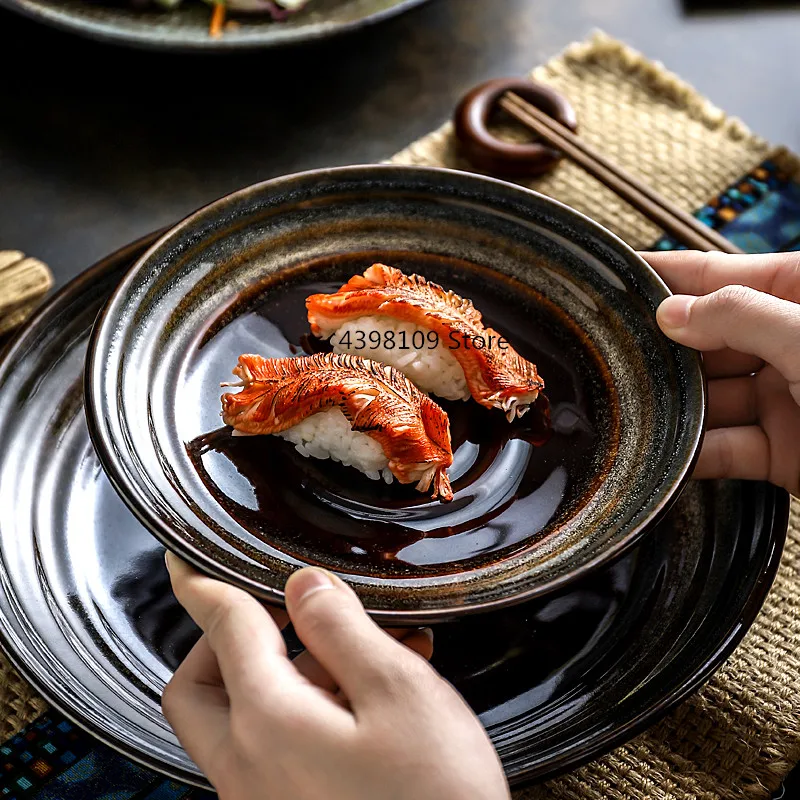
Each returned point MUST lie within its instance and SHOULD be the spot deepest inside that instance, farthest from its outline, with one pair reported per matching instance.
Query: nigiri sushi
(351, 409)
(434, 336)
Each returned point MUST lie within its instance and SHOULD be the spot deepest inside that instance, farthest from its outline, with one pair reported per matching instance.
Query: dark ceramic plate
(186, 28)
(533, 508)
(87, 616)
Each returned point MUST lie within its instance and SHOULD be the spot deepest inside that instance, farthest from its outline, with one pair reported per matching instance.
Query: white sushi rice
(432, 369)
(327, 434)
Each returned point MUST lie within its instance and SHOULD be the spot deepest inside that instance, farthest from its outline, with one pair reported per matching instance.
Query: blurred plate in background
(186, 28)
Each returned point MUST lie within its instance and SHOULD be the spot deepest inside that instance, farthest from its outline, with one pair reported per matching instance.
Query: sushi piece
(353, 410)
(434, 336)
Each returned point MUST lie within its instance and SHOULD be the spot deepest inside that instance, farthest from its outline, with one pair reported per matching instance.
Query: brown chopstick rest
(490, 154)
(23, 283)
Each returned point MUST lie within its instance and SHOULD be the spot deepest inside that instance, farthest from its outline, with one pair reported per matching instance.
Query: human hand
(357, 716)
(744, 313)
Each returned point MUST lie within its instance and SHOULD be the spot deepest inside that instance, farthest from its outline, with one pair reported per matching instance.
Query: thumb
(740, 318)
(330, 621)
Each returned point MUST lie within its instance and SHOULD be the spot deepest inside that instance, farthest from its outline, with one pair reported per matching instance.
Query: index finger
(246, 641)
(696, 273)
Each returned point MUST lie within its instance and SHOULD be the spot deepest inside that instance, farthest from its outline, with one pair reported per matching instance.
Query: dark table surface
(99, 146)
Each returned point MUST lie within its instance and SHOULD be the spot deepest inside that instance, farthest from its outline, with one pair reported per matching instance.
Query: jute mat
(740, 735)
(23, 283)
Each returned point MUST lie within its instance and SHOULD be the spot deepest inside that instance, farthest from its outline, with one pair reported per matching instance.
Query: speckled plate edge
(139, 506)
(176, 42)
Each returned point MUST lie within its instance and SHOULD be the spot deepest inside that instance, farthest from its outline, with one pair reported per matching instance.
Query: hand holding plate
(362, 717)
(744, 312)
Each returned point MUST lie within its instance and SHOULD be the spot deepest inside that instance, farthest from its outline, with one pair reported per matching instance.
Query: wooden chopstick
(675, 221)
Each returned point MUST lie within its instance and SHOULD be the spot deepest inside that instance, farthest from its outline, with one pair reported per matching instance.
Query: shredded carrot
(217, 20)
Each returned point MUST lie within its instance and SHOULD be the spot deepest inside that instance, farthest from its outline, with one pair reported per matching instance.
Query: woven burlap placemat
(740, 735)
(23, 283)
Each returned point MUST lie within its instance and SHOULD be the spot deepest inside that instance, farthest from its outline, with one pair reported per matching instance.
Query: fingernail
(166, 559)
(674, 311)
(308, 580)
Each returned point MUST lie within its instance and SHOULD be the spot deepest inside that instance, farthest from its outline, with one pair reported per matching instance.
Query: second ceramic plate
(87, 615)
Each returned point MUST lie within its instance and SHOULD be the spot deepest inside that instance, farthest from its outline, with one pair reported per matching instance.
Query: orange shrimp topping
(497, 376)
(413, 431)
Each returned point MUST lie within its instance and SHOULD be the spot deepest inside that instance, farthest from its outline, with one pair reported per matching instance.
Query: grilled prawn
(434, 336)
(351, 409)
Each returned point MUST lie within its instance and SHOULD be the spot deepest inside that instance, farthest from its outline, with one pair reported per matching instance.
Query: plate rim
(780, 507)
(128, 490)
(115, 35)
(7, 357)
(781, 512)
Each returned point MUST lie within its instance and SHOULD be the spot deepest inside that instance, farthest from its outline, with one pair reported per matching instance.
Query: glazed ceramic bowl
(534, 508)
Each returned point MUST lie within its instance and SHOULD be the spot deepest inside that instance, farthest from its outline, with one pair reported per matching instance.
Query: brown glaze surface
(180, 319)
(513, 482)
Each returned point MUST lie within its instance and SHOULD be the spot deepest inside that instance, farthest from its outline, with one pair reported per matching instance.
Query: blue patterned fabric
(759, 213)
(54, 760)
